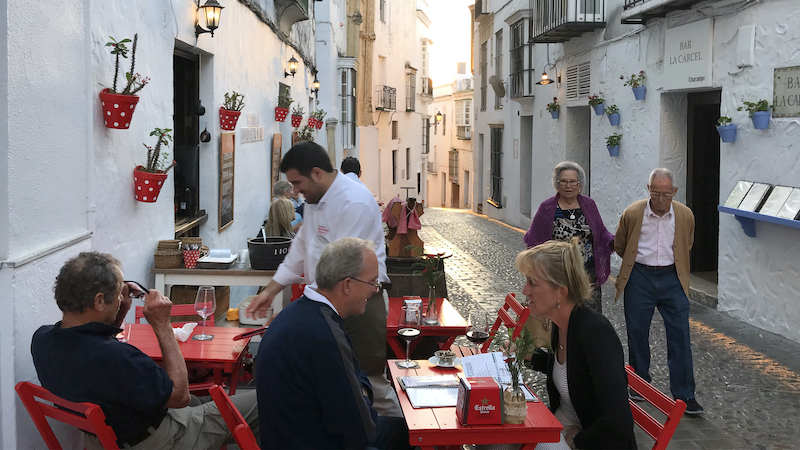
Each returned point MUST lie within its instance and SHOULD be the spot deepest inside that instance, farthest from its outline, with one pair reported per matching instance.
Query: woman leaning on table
(569, 214)
(586, 379)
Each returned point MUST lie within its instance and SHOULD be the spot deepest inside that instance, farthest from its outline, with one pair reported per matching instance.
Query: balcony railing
(464, 132)
(640, 11)
(385, 98)
(427, 86)
(561, 20)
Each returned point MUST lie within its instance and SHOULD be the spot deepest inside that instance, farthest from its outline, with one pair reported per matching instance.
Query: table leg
(160, 283)
(398, 349)
(235, 374)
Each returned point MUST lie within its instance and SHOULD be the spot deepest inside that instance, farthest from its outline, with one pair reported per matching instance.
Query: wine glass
(205, 305)
(410, 320)
(477, 327)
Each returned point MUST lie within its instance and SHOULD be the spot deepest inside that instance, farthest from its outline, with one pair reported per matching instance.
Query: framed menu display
(755, 197)
(776, 200)
(738, 193)
(227, 151)
(791, 207)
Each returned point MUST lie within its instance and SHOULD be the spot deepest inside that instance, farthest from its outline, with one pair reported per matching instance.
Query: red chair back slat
(673, 409)
(85, 416)
(177, 310)
(506, 319)
(242, 434)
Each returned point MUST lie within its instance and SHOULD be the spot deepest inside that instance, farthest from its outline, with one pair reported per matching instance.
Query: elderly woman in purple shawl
(569, 214)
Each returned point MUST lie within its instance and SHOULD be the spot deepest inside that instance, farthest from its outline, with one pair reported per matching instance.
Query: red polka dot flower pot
(117, 109)
(281, 113)
(296, 121)
(147, 185)
(228, 119)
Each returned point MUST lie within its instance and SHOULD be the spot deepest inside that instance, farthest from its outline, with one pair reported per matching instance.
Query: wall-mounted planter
(727, 133)
(117, 109)
(614, 119)
(760, 119)
(599, 109)
(312, 122)
(147, 185)
(613, 150)
(639, 92)
(228, 119)
(296, 120)
(281, 113)
(319, 124)
(554, 114)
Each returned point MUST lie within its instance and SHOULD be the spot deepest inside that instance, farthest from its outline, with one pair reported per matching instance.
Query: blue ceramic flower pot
(639, 92)
(727, 133)
(760, 119)
(554, 114)
(613, 150)
(614, 119)
(599, 109)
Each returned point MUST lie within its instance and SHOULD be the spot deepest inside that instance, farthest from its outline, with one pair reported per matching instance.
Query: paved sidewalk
(748, 380)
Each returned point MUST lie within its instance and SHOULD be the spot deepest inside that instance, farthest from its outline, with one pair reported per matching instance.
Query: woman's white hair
(568, 165)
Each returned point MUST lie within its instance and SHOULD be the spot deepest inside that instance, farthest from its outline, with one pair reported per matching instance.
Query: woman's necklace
(571, 211)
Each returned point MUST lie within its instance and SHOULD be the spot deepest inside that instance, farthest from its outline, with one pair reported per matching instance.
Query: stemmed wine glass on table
(204, 304)
(477, 327)
(410, 321)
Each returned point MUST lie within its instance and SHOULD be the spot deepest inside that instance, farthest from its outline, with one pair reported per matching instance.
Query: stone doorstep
(703, 292)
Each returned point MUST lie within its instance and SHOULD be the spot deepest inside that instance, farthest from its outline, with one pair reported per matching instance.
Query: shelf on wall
(748, 219)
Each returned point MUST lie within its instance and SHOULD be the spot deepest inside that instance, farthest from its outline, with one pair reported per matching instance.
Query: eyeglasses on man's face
(565, 183)
(661, 195)
(377, 285)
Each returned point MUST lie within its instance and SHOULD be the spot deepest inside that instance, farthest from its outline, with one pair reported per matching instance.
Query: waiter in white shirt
(654, 237)
(336, 207)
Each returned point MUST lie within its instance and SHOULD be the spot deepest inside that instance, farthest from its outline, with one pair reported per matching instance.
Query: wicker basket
(168, 259)
(169, 245)
(198, 241)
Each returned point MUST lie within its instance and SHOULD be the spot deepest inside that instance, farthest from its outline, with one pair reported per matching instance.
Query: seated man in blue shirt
(80, 359)
(311, 391)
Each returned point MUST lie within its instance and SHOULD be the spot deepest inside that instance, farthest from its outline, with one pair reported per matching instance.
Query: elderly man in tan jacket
(653, 238)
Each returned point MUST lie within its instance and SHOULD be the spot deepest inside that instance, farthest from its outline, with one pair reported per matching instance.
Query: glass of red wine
(204, 304)
(478, 327)
(408, 330)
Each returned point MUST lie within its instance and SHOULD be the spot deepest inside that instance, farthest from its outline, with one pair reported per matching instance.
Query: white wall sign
(787, 92)
(247, 135)
(688, 56)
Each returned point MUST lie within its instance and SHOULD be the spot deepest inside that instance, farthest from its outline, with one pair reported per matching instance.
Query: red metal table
(451, 325)
(221, 354)
(430, 427)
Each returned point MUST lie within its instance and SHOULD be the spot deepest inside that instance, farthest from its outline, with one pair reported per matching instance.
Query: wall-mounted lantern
(315, 85)
(292, 68)
(211, 11)
(436, 119)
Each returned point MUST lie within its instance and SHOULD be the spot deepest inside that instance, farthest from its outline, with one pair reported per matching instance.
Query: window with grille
(394, 129)
(498, 65)
(444, 124)
(382, 8)
(453, 167)
(496, 143)
(579, 79)
(522, 76)
(426, 139)
(411, 90)
(394, 166)
(347, 97)
(484, 74)
(463, 124)
(408, 163)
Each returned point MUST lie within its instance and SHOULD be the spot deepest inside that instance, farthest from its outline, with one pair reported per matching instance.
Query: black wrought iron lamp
(315, 84)
(292, 68)
(211, 11)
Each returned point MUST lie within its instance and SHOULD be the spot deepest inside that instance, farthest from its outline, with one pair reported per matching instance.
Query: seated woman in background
(279, 218)
(586, 378)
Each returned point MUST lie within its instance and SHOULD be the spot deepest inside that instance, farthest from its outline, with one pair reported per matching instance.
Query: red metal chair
(505, 318)
(673, 409)
(240, 429)
(177, 310)
(85, 416)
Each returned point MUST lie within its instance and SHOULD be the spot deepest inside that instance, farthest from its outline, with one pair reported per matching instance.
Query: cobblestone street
(748, 380)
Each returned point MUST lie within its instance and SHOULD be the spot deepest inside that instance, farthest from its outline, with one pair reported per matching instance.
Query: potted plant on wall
(118, 106)
(229, 113)
(612, 143)
(759, 113)
(317, 117)
(149, 179)
(726, 129)
(297, 115)
(553, 108)
(636, 82)
(597, 103)
(282, 110)
(613, 115)
(306, 134)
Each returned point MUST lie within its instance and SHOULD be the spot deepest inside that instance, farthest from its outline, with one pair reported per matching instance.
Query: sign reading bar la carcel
(787, 92)
(688, 56)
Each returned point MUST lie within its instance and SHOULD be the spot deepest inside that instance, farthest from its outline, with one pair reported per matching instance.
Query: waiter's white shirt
(657, 238)
(347, 209)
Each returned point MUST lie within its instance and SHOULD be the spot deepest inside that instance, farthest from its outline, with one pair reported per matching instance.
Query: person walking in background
(279, 218)
(653, 238)
(569, 214)
(284, 189)
(352, 168)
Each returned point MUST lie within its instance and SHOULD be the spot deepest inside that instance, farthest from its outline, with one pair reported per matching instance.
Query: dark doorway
(455, 195)
(186, 85)
(702, 181)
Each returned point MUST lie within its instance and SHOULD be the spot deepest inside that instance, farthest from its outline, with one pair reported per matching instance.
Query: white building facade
(702, 60)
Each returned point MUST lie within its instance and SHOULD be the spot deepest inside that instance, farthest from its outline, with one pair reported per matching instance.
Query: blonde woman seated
(279, 218)
(586, 378)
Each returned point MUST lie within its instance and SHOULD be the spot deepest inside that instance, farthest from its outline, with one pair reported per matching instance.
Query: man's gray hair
(568, 165)
(341, 259)
(661, 172)
(281, 187)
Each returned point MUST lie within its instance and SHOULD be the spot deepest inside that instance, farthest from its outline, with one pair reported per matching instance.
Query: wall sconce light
(292, 68)
(211, 11)
(436, 119)
(545, 79)
(314, 85)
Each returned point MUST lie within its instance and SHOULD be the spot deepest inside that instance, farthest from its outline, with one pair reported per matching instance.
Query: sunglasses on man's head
(137, 290)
